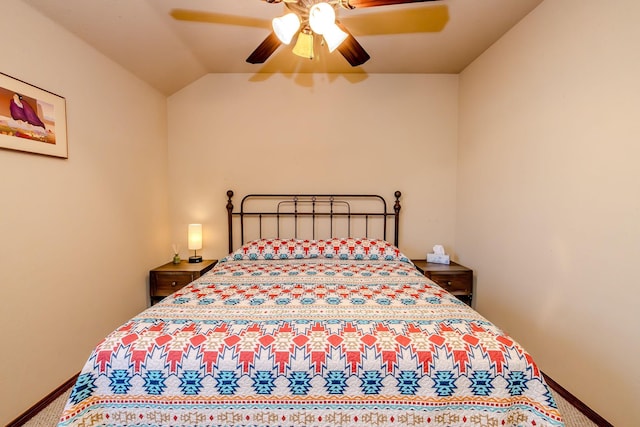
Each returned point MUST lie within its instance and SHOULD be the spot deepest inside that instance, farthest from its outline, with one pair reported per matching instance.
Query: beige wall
(78, 235)
(548, 194)
(315, 133)
(540, 197)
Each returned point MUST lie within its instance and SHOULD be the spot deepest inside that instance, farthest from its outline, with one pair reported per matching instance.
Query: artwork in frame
(32, 119)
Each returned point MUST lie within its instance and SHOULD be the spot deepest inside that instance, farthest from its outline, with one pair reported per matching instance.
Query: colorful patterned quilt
(310, 333)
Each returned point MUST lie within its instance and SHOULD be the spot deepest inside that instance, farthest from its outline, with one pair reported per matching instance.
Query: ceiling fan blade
(357, 4)
(352, 51)
(218, 18)
(430, 19)
(264, 51)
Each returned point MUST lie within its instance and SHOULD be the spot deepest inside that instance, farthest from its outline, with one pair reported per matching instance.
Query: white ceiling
(171, 43)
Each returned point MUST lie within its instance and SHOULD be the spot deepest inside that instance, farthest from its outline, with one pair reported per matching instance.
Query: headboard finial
(230, 218)
(396, 209)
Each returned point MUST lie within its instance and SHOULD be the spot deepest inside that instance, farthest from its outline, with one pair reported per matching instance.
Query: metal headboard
(313, 209)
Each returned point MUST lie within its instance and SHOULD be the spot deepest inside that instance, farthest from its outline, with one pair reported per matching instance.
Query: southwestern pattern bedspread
(311, 333)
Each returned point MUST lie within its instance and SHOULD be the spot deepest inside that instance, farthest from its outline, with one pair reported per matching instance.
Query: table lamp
(195, 241)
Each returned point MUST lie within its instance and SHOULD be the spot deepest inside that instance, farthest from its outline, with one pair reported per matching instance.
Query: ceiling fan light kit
(306, 18)
(321, 20)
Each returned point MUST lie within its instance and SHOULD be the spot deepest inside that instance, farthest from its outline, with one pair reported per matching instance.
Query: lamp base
(194, 258)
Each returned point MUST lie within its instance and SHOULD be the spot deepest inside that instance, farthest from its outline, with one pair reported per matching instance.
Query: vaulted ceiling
(171, 43)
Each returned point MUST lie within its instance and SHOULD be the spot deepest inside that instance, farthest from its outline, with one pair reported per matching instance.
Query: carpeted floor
(50, 415)
(572, 417)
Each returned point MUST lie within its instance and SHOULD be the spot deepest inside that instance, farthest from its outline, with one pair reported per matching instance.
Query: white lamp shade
(195, 236)
(334, 36)
(321, 17)
(286, 27)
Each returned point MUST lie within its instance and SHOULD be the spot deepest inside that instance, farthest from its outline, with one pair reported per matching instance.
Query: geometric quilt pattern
(310, 341)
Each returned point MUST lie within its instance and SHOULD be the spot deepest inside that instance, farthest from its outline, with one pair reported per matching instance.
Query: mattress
(337, 332)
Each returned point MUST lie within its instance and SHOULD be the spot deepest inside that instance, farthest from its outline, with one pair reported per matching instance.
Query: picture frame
(32, 119)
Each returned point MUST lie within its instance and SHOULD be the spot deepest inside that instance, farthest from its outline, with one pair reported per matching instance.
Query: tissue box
(437, 258)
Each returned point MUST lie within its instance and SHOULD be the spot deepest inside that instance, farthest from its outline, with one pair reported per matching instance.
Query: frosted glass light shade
(195, 236)
(286, 27)
(304, 45)
(334, 36)
(321, 17)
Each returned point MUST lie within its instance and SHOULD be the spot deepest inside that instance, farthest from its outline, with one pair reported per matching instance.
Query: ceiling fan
(304, 21)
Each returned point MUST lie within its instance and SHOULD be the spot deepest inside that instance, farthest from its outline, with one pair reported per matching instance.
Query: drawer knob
(174, 284)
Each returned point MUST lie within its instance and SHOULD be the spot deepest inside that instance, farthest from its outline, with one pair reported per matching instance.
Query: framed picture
(32, 119)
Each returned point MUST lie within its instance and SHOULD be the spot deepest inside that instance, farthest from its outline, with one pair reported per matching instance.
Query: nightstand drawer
(453, 283)
(170, 277)
(167, 283)
(453, 277)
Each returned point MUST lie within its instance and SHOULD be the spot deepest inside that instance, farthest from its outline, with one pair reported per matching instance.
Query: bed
(311, 331)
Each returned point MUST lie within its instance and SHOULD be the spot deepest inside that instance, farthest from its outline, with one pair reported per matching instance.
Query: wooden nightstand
(168, 278)
(454, 278)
